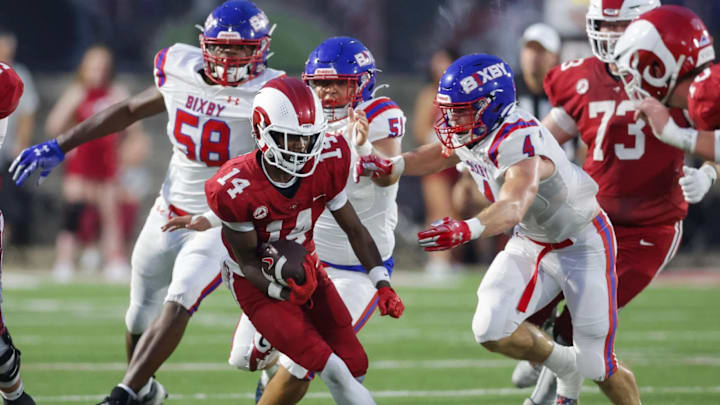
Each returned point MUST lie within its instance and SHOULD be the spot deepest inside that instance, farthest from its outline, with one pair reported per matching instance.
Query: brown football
(283, 260)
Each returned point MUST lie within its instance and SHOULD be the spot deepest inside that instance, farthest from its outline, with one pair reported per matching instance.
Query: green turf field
(73, 351)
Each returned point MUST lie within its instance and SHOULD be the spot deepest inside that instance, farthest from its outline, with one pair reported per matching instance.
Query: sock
(344, 388)
(13, 395)
(562, 360)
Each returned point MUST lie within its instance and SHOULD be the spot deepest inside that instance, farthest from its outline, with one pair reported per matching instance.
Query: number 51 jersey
(637, 174)
(241, 195)
(207, 124)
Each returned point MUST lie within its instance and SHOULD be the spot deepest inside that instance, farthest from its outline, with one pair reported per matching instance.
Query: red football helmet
(659, 48)
(11, 88)
(599, 11)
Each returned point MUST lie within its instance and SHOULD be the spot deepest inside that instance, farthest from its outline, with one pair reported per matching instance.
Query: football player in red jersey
(11, 386)
(278, 192)
(641, 179)
(674, 39)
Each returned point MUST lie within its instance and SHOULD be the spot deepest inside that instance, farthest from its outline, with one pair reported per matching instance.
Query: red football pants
(642, 253)
(307, 334)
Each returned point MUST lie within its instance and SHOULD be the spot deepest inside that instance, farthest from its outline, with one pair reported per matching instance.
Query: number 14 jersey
(207, 124)
(637, 174)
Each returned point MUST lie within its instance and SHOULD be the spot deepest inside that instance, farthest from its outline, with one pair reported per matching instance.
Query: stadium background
(402, 35)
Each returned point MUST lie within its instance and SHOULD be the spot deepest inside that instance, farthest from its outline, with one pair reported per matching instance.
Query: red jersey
(241, 193)
(95, 160)
(637, 174)
(704, 101)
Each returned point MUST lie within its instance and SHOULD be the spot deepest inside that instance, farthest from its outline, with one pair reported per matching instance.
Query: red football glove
(445, 234)
(389, 302)
(372, 166)
(300, 294)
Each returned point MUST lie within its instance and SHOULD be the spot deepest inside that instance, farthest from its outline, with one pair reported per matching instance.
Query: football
(282, 260)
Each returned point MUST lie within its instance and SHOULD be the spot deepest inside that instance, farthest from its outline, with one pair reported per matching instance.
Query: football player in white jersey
(11, 385)
(562, 240)
(207, 93)
(341, 70)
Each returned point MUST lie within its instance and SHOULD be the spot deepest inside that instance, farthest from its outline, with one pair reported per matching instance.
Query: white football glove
(696, 182)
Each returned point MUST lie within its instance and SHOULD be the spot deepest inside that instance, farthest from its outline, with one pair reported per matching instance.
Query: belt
(530, 288)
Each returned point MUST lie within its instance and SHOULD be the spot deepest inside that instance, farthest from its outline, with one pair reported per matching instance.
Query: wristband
(364, 149)
(378, 274)
(683, 138)
(476, 227)
(717, 145)
(274, 291)
(398, 165)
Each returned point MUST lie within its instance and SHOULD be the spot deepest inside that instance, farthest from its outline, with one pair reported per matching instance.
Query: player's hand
(654, 113)
(389, 303)
(192, 222)
(44, 156)
(300, 294)
(444, 234)
(358, 127)
(696, 182)
(375, 166)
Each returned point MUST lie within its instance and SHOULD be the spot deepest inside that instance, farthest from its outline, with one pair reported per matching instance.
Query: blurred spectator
(538, 54)
(16, 202)
(437, 188)
(91, 169)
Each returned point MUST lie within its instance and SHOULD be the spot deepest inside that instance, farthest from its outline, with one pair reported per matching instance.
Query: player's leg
(283, 323)
(11, 385)
(195, 275)
(66, 241)
(590, 293)
(498, 324)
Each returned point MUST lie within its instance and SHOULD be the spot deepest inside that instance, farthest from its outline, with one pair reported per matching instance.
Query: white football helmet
(289, 125)
(603, 43)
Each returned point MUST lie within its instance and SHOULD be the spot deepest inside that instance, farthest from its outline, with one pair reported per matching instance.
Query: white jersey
(375, 205)
(207, 124)
(565, 202)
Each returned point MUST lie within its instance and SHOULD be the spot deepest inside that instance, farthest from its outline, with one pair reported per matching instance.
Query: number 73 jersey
(241, 195)
(207, 124)
(637, 174)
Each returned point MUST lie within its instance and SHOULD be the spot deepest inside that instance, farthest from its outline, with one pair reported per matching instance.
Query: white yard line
(479, 392)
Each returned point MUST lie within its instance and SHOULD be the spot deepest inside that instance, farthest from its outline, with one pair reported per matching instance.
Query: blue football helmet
(235, 23)
(342, 58)
(474, 95)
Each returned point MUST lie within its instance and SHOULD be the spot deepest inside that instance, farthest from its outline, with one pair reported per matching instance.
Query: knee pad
(9, 363)
(138, 318)
(71, 216)
(487, 326)
(358, 363)
(259, 355)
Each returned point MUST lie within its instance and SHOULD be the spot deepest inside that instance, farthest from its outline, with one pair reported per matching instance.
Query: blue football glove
(44, 156)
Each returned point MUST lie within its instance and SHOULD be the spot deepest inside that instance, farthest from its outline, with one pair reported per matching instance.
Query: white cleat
(525, 374)
(156, 396)
(544, 392)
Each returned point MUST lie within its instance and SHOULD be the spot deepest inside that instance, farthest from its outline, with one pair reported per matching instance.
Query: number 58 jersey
(207, 124)
(637, 174)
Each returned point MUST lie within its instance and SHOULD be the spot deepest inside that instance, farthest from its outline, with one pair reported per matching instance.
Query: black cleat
(23, 399)
(119, 396)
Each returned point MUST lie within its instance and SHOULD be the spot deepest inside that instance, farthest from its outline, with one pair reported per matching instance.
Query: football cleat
(544, 392)
(119, 396)
(525, 374)
(561, 400)
(157, 394)
(23, 399)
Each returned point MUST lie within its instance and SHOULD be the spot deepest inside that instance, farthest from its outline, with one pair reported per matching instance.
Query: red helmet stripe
(611, 5)
(299, 95)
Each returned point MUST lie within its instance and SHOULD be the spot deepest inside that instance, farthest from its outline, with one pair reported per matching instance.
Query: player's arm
(244, 247)
(424, 160)
(705, 144)
(367, 252)
(47, 155)
(560, 125)
(515, 197)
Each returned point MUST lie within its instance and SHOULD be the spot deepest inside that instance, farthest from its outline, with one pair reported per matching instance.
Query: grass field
(72, 341)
